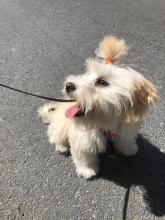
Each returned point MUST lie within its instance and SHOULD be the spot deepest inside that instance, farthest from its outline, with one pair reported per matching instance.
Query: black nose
(70, 87)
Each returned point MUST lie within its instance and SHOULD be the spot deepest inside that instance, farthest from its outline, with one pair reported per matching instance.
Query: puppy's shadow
(146, 169)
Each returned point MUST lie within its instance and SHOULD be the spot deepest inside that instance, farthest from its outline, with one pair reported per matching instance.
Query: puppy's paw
(61, 148)
(129, 150)
(87, 172)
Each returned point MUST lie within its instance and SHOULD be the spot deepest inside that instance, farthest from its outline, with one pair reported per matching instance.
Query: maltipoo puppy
(108, 98)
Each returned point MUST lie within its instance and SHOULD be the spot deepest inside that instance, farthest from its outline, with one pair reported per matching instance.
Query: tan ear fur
(144, 95)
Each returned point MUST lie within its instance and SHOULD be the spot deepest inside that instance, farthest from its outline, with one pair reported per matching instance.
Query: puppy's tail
(112, 49)
(46, 111)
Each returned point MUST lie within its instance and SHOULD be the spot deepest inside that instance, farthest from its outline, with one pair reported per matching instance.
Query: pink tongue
(73, 111)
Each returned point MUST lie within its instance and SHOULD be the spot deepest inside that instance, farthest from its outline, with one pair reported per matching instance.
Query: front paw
(61, 148)
(87, 172)
(129, 150)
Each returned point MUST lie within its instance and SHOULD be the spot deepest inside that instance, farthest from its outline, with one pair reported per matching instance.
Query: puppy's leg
(58, 137)
(85, 147)
(125, 142)
(86, 163)
(62, 148)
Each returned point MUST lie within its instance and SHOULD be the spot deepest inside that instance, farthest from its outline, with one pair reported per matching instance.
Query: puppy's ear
(144, 95)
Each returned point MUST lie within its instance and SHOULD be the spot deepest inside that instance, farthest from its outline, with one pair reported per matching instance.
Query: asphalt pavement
(41, 42)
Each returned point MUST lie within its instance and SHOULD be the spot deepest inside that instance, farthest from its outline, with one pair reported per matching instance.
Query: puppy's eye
(101, 82)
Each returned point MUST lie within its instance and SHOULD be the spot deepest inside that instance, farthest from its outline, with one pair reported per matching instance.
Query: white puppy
(108, 99)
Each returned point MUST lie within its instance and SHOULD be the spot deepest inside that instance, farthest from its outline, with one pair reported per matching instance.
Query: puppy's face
(109, 89)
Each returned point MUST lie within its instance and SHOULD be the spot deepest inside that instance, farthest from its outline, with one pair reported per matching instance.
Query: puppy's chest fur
(100, 122)
(97, 130)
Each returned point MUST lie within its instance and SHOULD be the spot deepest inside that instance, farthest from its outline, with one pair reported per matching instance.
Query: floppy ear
(144, 95)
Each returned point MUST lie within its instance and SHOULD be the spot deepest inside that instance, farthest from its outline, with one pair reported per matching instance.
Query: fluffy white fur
(117, 106)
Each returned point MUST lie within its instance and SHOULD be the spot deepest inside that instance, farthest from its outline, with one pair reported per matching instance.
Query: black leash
(34, 95)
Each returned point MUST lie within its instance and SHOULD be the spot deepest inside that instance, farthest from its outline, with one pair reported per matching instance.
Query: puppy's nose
(70, 87)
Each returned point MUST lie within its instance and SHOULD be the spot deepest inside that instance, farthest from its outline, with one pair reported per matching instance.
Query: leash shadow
(146, 169)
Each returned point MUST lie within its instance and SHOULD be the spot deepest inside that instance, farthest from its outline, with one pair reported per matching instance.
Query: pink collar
(110, 135)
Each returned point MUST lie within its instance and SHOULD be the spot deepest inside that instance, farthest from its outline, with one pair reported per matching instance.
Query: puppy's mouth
(74, 111)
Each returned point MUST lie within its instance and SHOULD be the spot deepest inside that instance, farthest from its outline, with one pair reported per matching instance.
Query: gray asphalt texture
(41, 42)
